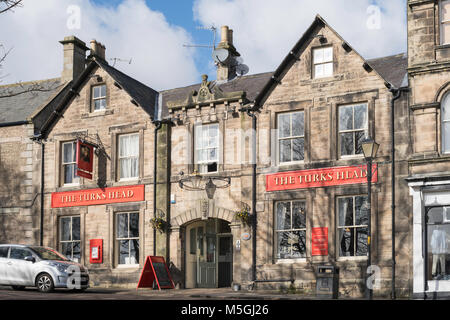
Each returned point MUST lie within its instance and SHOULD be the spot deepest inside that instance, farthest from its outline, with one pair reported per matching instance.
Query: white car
(44, 268)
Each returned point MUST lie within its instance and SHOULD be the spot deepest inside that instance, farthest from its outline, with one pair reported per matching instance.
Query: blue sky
(152, 33)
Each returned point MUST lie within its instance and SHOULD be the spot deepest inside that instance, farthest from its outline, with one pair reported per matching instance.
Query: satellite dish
(242, 69)
(220, 55)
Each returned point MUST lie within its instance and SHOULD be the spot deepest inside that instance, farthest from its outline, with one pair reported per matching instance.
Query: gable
(301, 57)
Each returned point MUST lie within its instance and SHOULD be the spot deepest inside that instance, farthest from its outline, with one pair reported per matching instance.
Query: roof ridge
(390, 56)
(29, 82)
(198, 83)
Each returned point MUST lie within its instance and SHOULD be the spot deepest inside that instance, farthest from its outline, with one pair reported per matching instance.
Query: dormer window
(322, 62)
(99, 97)
(445, 22)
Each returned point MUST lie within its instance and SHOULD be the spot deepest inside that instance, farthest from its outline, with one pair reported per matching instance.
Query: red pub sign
(97, 196)
(319, 178)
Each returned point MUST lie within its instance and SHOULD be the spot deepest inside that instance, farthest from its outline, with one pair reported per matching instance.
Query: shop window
(98, 97)
(128, 157)
(353, 218)
(68, 163)
(291, 137)
(69, 237)
(445, 123)
(127, 238)
(353, 129)
(438, 230)
(323, 62)
(445, 21)
(206, 147)
(290, 229)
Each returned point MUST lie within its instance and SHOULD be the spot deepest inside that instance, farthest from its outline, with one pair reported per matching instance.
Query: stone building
(116, 114)
(310, 180)
(281, 146)
(429, 162)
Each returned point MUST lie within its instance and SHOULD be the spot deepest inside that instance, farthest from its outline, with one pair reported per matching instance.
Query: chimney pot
(97, 49)
(224, 34)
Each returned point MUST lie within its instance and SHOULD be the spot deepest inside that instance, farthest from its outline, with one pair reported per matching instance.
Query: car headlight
(60, 267)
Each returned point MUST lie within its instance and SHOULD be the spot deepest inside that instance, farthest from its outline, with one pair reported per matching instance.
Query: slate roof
(18, 103)
(251, 84)
(143, 95)
(392, 68)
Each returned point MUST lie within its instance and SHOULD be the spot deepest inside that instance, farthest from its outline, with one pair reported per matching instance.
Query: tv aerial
(120, 60)
(213, 46)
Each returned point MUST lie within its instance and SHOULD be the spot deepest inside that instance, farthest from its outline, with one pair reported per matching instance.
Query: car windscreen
(48, 254)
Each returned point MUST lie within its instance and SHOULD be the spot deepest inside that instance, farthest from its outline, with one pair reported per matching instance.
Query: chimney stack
(74, 61)
(97, 49)
(227, 71)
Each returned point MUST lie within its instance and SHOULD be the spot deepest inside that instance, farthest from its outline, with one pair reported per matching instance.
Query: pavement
(7, 293)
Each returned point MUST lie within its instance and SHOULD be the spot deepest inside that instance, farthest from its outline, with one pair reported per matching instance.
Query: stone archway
(195, 215)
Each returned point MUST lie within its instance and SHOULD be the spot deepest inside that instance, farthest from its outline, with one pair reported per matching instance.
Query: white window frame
(322, 62)
(353, 130)
(128, 238)
(291, 137)
(98, 98)
(445, 104)
(71, 241)
(443, 22)
(119, 157)
(75, 178)
(354, 226)
(204, 163)
(291, 229)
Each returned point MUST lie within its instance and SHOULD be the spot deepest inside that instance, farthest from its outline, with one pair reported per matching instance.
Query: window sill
(125, 267)
(290, 261)
(352, 259)
(97, 113)
(292, 163)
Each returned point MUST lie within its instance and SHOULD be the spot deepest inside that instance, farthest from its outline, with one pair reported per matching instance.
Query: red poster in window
(85, 159)
(319, 239)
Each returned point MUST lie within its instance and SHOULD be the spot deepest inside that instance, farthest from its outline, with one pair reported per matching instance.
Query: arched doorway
(209, 254)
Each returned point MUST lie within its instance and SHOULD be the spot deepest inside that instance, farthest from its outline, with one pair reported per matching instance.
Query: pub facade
(258, 179)
(307, 187)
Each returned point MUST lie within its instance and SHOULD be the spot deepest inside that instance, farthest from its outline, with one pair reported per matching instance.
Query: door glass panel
(211, 249)
(200, 240)
(192, 242)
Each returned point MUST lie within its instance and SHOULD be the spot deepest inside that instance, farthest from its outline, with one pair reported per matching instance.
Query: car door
(20, 271)
(3, 265)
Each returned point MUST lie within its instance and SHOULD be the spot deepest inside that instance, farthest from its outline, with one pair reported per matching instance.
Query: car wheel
(44, 283)
(18, 287)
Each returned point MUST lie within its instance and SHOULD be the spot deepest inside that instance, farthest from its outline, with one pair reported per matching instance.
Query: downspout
(39, 139)
(251, 113)
(41, 228)
(396, 95)
(158, 125)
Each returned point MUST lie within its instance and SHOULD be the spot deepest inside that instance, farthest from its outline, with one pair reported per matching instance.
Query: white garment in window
(439, 242)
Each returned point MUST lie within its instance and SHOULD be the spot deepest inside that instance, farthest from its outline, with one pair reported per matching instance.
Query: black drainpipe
(41, 228)
(396, 95)
(254, 220)
(158, 125)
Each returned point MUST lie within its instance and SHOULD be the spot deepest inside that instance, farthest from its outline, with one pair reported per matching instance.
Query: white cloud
(265, 31)
(129, 30)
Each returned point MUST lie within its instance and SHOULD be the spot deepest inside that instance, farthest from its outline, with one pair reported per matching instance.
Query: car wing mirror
(30, 258)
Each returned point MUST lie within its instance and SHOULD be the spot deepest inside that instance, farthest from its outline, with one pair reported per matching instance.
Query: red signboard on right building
(319, 239)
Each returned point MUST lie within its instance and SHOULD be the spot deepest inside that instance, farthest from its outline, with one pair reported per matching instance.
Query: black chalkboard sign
(155, 270)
